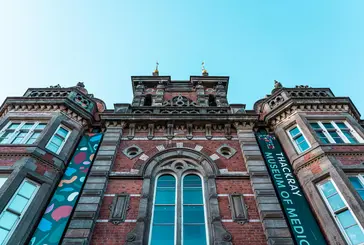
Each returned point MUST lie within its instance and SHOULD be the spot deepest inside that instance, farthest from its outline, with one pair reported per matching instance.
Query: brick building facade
(179, 165)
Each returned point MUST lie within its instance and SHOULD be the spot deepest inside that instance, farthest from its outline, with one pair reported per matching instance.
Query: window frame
(334, 214)
(18, 130)
(20, 217)
(175, 211)
(338, 130)
(298, 150)
(6, 178)
(179, 205)
(361, 179)
(203, 204)
(63, 142)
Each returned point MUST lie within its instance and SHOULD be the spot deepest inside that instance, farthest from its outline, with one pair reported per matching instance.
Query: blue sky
(103, 43)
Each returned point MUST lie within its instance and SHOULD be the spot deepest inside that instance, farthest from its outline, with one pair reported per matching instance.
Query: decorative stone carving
(130, 237)
(239, 210)
(118, 208)
(208, 131)
(132, 151)
(150, 131)
(226, 151)
(131, 131)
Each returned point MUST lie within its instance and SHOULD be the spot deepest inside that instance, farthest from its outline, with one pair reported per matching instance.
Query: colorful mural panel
(57, 214)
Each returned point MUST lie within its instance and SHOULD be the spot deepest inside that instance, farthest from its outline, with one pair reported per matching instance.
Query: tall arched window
(178, 219)
(164, 211)
(194, 223)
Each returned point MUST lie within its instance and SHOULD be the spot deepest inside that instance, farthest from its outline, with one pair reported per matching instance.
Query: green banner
(55, 218)
(299, 216)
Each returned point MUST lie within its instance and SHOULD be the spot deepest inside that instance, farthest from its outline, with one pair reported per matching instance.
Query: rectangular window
(21, 132)
(347, 222)
(16, 208)
(298, 139)
(358, 183)
(56, 143)
(335, 132)
(3, 178)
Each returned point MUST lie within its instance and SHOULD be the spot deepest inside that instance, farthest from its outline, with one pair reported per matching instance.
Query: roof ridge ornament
(156, 71)
(277, 85)
(204, 71)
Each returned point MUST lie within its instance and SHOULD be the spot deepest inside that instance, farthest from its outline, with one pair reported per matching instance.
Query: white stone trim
(180, 138)
(214, 157)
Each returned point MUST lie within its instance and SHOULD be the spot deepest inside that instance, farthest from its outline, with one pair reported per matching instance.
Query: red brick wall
(235, 163)
(351, 159)
(9, 161)
(249, 233)
(110, 234)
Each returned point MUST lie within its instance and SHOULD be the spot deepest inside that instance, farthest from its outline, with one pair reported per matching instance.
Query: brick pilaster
(87, 210)
(270, 211)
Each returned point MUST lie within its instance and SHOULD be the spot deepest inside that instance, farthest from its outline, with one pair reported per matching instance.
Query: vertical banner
(55, 218)
(299, 216)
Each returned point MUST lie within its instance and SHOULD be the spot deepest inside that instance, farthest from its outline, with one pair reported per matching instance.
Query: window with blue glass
(21, 132)
(358, 184)
(164, 212)
(298, 139)
(58, 140)
(194, 226)
(344, 217)
(335, 132)
(170, 228)
(16, 208)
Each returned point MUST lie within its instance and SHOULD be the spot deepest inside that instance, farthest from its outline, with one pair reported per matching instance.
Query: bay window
(298, 139)
(21, 132)
(58, 139)
(358, 184)
(16, 208)
(343, 215)
(335, 132)
(3, 178)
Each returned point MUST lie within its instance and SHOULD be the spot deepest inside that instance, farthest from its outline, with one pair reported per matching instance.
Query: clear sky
(103, 43)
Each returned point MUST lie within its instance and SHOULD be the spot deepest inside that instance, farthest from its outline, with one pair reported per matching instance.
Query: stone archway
(197, 162)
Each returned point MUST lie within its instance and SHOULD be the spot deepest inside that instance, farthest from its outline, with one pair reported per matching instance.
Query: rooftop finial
(204, 71)
(156, 71)
(277, 85)
(80, 84)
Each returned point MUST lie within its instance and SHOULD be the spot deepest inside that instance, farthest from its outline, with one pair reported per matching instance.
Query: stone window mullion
(179, 210)
(326, 133)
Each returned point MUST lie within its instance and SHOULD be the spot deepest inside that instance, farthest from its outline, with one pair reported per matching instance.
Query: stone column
(270, 211)
(83, 221)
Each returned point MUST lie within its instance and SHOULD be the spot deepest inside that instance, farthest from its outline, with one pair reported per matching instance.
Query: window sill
(342, 144)
(11, 145)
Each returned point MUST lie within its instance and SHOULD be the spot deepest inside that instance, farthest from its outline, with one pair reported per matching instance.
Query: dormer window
(212, 100)
(148, 100)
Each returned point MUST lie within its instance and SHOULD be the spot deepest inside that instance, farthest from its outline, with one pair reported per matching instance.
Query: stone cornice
(178, 117)
(63, 105)
(325, 154)
(25, 154)
(291, 106)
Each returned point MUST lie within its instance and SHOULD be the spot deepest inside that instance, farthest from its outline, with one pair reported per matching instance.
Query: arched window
(194, 223)
(212, 100)
(178, 222)
(179, 202)
(164, 211)
(148, 100)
